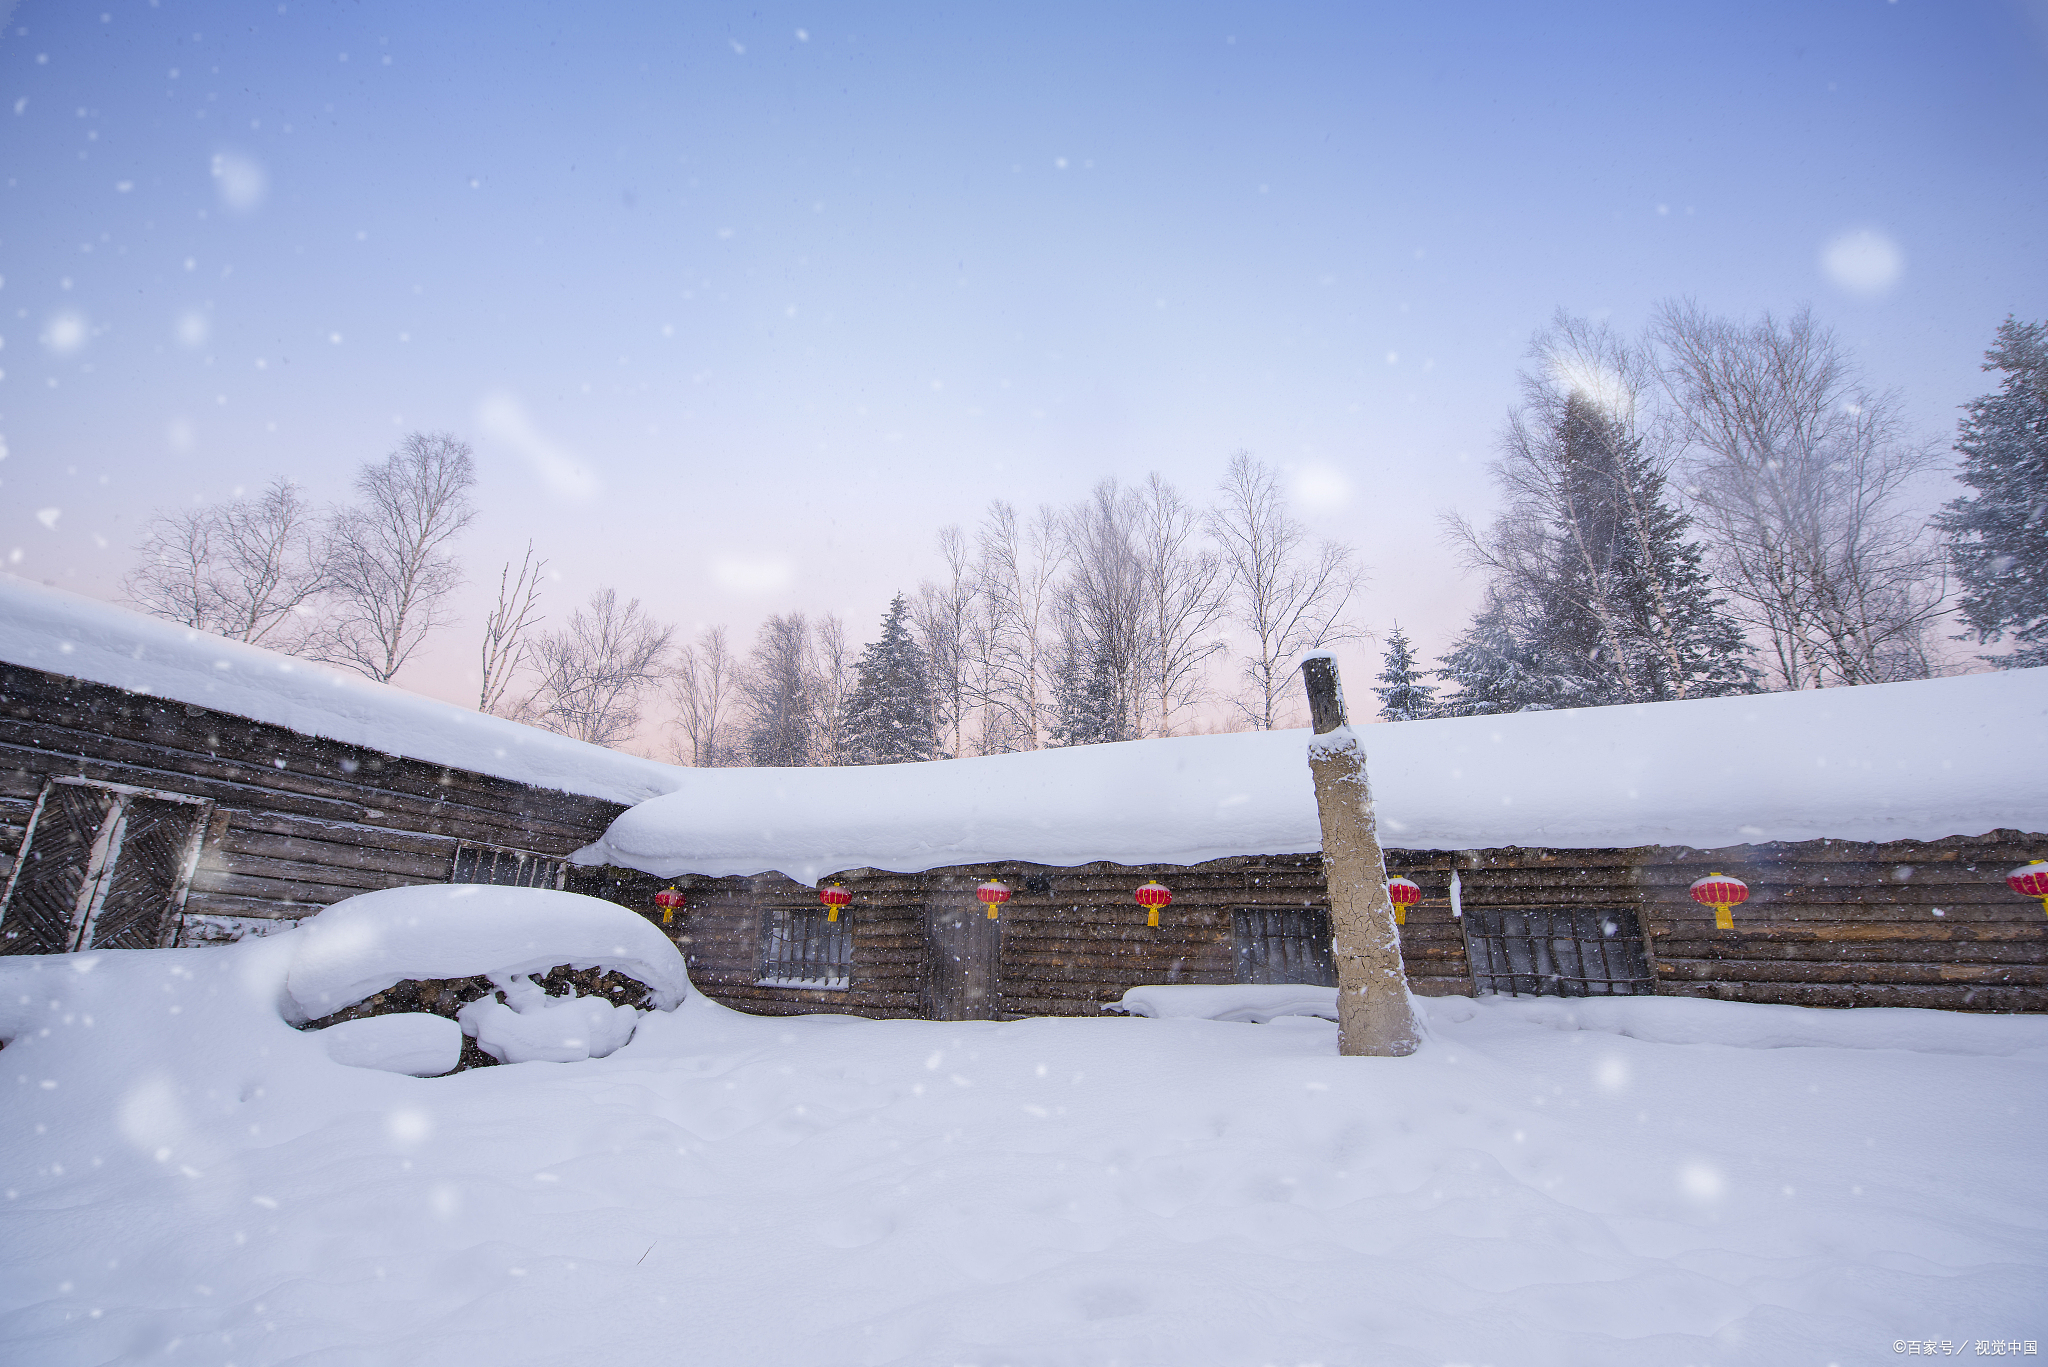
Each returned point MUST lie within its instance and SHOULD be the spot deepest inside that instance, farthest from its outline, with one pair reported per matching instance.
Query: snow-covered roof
(64, 633)
(1920, 761)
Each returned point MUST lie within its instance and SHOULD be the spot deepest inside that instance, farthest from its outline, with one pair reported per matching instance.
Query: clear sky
(739, 303)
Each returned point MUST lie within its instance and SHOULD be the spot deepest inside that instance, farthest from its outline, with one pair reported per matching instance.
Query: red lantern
(2030, 880)
(834, 898)
(1403, 894)
(1152, 896)
(668, 899)
(1723, 894)
(993, 893)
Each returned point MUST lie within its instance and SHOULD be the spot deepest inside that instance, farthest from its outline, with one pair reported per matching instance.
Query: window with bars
(1283, 946)
(507, 868)
(1557, 951)
(803, 949)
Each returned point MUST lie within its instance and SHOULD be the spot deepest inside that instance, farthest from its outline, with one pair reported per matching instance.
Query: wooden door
(99, 868)
(965, 949)
(146, 869)
(58, 852)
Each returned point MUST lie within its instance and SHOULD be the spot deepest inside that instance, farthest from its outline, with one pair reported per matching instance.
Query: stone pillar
(1374, 1013)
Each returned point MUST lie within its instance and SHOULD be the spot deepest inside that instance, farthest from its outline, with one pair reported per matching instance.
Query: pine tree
(1405, 697)
(1495, 664)
(1085, 698)
(1999, 536)
(1597, 596)
(889, 717)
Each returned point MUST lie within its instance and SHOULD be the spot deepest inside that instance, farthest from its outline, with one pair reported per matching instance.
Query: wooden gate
(965, 949)
(101, 866)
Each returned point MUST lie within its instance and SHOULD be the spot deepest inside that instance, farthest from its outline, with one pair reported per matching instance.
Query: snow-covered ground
(186, 1178)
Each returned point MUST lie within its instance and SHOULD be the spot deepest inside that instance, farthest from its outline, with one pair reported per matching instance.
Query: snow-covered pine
(889, 717)
(1598, 596)
(1086, 710)
(1405, 696)
(1998, 536)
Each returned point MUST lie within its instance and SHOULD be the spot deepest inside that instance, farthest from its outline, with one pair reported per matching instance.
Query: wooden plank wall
(298, 823)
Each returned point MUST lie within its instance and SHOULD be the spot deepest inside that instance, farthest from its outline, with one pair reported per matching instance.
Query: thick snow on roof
(63, 633)
(1916, 761)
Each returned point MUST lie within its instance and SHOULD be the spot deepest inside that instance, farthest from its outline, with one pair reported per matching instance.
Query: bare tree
(1018, 571)
(595, 670)
(943, 619)
(247, 570)
(1104, 615)
(505, 646)
(392, 573)
(832, 659)
(703, 692)
(1797, 470)
(1288, 595)
(778, 694)
(1186, 593)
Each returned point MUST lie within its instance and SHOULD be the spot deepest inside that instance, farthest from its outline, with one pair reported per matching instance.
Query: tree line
(1713, 507)
(1787, 556)
(1100, 621)
(1094, 622)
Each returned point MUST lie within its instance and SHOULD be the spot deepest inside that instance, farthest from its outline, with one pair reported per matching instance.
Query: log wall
(1828, 923)
(297, 822)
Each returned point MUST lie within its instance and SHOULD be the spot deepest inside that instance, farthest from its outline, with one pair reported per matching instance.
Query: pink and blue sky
(739, 303)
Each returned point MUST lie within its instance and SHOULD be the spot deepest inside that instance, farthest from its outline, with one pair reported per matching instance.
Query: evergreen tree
(1496, 665)
(1597, 596)
(889, 717)
(1085, 698)
(1998, 537)
(1406, 697)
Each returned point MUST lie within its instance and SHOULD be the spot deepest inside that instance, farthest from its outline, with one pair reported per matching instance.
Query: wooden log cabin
(1874, 828)
(158, 787)
(161, 787)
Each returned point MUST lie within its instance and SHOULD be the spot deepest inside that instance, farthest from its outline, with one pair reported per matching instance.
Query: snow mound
(530, 1026)
(409, 1042)
(1904, 761)
(1255, 1002)
(365, 944)
(83, 638)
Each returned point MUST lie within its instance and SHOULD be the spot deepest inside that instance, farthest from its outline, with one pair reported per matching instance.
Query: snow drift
(1905, 761)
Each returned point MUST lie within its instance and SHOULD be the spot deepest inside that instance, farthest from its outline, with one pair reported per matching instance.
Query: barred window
(1558, 951)
(507, 868)
(803, 949)
(1290, 946)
